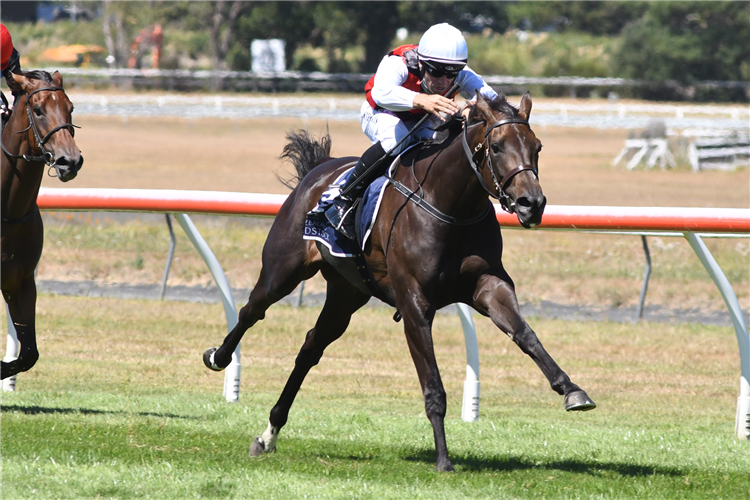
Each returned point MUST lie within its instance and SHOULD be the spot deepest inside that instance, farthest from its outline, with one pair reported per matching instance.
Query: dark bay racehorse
(38, 136)
(425, 256)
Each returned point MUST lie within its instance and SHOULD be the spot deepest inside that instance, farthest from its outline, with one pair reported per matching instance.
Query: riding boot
(341, 212)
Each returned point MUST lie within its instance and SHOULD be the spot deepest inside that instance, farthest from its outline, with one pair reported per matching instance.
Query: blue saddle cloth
(319, 229)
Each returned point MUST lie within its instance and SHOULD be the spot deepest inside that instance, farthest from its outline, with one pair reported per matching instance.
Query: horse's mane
(499, 104)
(38, 74)
(305, 153)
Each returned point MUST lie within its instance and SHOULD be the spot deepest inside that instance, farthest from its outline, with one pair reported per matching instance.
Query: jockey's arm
(388, 91)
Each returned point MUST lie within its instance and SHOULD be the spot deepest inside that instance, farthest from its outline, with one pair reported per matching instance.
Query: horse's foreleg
(497, 299)
(418, 328)
(22, 307)
(341, 302)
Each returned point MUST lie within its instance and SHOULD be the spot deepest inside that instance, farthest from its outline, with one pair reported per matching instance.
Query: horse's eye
(496, 148)
(38, 111)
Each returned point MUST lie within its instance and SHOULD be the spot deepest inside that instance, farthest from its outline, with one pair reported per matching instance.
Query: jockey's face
(438, 85)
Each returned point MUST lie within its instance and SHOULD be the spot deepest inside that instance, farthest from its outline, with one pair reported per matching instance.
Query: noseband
(47, 157)
(505, 202)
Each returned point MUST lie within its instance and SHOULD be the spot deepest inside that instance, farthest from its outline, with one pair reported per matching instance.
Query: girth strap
(23, 219)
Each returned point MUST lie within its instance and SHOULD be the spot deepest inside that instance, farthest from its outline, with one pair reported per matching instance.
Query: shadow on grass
(472, 463)
(40, 410)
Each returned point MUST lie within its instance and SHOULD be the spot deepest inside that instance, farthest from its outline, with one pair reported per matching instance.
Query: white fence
(546, 112)
(719, 153)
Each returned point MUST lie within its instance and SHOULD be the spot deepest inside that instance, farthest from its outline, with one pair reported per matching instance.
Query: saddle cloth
(318, 228)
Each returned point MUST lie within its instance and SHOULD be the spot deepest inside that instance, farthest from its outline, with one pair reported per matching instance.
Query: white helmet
(443, 44)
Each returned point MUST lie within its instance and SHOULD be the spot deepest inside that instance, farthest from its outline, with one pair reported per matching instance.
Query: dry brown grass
(562, 267)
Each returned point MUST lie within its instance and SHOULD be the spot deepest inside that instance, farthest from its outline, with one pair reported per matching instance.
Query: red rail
(707, 220)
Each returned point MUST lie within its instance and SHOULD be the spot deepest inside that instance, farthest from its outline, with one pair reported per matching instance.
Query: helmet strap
(423, 84)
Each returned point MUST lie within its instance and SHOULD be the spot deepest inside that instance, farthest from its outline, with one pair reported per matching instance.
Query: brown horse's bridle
(505, 202)
(47, 157)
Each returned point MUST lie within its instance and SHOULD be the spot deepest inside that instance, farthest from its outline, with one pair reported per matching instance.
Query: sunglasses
(439, 71)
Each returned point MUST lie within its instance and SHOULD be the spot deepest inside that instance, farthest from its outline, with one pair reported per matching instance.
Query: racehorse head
(511, 153)
(49, 116)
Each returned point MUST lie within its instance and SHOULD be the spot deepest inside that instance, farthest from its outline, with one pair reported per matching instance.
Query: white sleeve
(470, 82)
(387, 90)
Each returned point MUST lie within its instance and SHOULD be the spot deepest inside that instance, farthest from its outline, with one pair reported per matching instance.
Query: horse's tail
(305, 152)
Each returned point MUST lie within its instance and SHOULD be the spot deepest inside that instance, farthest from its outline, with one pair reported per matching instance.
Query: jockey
(410, 81)
(9, 63)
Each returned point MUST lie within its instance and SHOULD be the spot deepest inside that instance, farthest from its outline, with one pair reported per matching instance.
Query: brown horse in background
(436, 242)
(38, 135)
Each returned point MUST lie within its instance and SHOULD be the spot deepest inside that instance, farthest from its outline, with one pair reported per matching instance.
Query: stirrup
(340, 215)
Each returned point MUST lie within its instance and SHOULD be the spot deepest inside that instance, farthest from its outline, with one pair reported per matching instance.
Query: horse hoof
(208, 360)
(578, 401)
(258, 447)
(445, 467)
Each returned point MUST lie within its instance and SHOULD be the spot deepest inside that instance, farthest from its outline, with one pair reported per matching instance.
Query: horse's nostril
(524, 202)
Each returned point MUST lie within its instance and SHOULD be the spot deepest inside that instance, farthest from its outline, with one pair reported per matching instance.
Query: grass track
(120, 406)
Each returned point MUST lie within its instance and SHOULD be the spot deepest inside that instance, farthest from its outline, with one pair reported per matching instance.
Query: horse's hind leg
(22, 307)
(342, 300)
(496, 298)
(277, 279)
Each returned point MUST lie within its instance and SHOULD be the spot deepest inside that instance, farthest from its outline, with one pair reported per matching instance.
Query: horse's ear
(524, 110)
(17, 83)
(57, 78)
(483, 107)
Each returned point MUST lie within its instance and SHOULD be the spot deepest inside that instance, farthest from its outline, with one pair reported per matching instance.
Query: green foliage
(466, 16)
(682, 42)
(595, 17)
(545, 54)
(687, 42)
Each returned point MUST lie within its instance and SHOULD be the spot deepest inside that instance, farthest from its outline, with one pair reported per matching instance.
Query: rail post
(742, 421)
(232, 372)
(470, 406)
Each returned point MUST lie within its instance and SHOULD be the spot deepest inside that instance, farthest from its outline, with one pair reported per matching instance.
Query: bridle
(47, 157)
(505, 201)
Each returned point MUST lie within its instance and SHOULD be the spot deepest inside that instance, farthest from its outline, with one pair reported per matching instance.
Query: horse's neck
(19, 180)
(450, 180)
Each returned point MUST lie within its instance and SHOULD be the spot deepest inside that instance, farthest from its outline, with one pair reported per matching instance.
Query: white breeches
(388, 129)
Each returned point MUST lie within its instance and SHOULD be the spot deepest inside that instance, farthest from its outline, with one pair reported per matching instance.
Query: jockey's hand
(435, 104)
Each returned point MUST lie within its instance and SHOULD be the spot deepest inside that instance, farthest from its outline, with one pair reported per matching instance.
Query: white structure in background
(652, 147)
(268, 55)
(653, 151)
(719, 153)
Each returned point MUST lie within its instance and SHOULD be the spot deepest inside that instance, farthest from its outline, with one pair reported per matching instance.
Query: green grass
(120, 406)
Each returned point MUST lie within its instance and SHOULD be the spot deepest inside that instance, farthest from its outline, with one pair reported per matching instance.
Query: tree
(222, 23)
(466, 16)
(596, 18)
(379, 20)
(116, 34)
(687, 42)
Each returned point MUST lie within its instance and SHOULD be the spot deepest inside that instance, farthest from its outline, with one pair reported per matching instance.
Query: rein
(418, 200)
(505, 202)
(47, 157)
